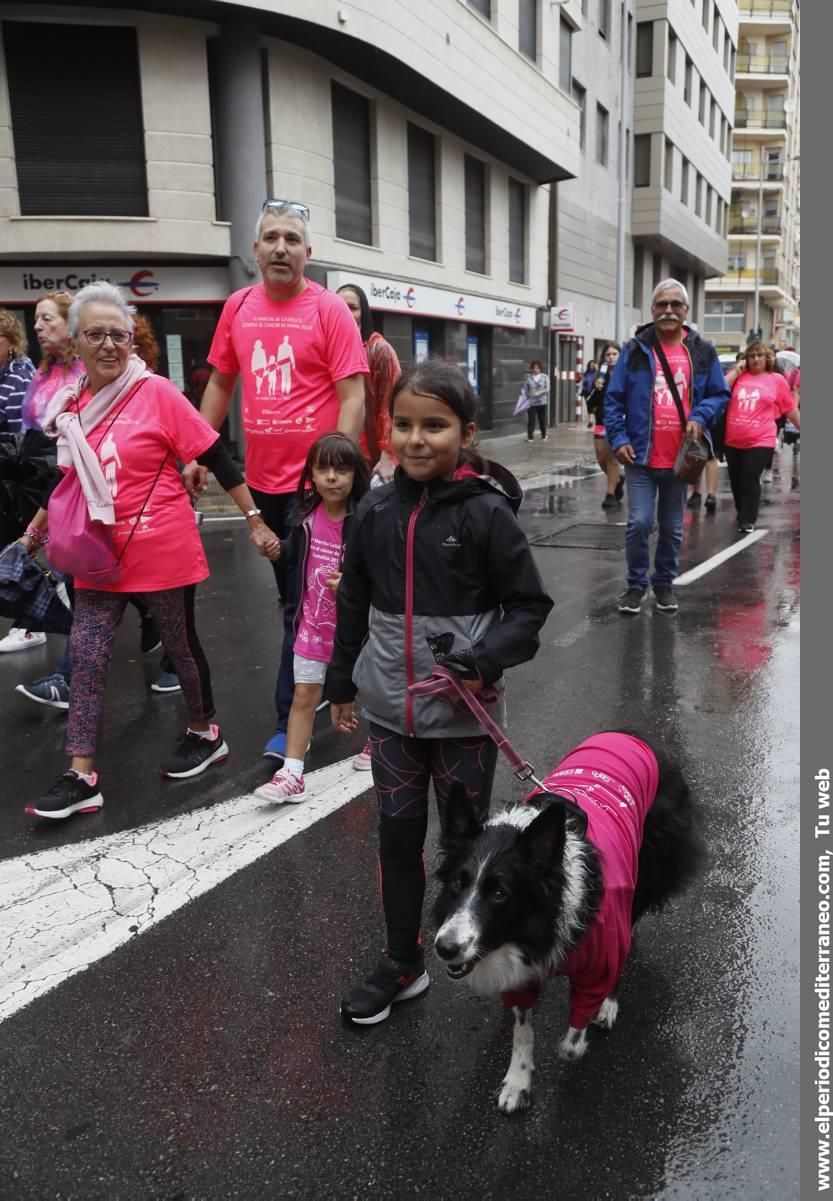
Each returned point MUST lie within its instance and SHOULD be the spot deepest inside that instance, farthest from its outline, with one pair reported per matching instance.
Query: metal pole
(623, 134)
(755, 325)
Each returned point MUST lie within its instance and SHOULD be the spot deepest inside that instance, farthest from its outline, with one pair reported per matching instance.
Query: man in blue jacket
(645, 430)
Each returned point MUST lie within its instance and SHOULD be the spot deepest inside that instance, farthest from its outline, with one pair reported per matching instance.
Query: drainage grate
(584, 536)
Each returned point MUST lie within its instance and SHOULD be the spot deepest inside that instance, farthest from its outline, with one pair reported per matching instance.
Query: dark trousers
(403, 769)
(536, 413)
(745, 470)
(275, 509)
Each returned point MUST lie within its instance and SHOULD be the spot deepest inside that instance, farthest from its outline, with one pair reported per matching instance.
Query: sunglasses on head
(294, 206)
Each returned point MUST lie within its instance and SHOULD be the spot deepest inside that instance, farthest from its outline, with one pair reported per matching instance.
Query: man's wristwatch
(252, 513)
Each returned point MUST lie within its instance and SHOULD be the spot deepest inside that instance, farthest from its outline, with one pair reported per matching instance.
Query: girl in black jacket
(437, 571)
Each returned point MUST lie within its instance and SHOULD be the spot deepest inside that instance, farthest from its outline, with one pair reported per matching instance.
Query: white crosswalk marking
(61, 910)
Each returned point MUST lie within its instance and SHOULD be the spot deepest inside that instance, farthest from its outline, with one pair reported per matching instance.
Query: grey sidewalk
(568, 448)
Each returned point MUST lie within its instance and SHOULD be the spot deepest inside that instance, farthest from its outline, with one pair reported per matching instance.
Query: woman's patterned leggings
(96, 618)
(403, 769)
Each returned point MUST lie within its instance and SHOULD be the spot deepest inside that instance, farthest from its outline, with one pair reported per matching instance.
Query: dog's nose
(446, 948)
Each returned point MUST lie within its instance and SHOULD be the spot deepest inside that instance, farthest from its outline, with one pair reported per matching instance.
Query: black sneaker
(69, 794)
(711, 503)
(630, 601)
(393, 980)
(151, 638)
(666, 600)
(619, 490)
(193, 755)
(694, 501)
(610, 501)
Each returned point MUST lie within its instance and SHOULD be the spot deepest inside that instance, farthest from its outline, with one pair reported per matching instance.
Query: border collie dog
(555, 884)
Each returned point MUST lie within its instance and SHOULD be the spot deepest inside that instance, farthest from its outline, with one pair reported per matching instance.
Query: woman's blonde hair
(62, 302)
(11, 328)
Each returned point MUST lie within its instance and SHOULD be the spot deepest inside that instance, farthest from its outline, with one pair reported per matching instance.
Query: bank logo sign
(151, 285)
(396, 296)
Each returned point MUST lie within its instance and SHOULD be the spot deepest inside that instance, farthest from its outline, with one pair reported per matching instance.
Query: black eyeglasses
(97, 337)
(676, 305)
(294, 206)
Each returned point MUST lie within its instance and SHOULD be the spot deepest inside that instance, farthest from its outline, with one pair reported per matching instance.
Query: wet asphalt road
(205, 1058)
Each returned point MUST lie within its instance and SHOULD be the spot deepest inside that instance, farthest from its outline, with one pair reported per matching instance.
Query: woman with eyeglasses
(122, 429)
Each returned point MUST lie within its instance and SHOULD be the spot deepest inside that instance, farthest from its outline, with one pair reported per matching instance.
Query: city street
(169, 1024)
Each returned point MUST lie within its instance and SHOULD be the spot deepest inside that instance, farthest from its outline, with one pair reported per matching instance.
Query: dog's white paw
(608, 1013)
(573, 1044)
(515, 1092)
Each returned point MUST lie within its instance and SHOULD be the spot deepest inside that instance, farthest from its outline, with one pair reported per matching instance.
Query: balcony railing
(767, 276)
(762, 64)
(764, 8)
(749, 225)
(760, 118)
(752, 171)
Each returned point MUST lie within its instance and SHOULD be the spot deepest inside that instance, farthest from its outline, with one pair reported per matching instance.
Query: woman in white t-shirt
(759, 397)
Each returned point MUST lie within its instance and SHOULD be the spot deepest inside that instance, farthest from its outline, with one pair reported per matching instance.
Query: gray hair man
(645, 430)
(299, 356)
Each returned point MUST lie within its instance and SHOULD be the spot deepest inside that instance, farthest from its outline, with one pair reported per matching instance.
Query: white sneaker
(361, 762)
(282, 787)
(19, 639)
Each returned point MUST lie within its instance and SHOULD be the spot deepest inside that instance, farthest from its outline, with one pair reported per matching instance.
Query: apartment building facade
(761, 288)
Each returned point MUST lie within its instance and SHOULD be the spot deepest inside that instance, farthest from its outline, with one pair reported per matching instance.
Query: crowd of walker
(361, 480)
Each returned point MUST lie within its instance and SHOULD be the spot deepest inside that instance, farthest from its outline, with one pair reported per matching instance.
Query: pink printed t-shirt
(42, 387)
(157, 422)
(316, 629)
(613, 778)
(757, 402)
(668, 429)
(290, 354)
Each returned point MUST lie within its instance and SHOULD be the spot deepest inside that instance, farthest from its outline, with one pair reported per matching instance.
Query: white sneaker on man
(19, 639)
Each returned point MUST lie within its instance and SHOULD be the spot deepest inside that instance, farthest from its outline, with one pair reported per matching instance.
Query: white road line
(61, 910)
(688, 577)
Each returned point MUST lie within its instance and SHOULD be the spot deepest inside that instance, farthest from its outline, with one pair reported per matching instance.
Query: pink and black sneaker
(69, 794)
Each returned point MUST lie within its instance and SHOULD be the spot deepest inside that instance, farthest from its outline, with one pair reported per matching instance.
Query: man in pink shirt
(645, 429)
(299, 356)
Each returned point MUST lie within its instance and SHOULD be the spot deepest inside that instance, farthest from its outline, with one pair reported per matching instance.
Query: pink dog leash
(444, 680)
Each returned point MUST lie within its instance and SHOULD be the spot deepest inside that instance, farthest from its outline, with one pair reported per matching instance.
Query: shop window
(422, 196)
(76, 113)
(351, 163)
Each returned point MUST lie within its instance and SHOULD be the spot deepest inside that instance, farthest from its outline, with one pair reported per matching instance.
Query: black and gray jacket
(432, 569)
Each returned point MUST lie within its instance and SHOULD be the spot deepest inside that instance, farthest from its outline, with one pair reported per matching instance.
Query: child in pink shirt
(334, 479)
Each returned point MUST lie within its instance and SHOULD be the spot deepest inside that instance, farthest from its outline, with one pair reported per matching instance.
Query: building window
(602, 127)
(580, 96)
(727, 46)
(704, 99)
(724, 317)
(708, 205)
(716, 30)
(644, 49)
(604, 19)
(484, 7)
(565, 55)
(713, 119)
(627, 153)
(684, 182)
(669, 166)
(475, 189)
(698, 194)
(422, 192)
(689, 81)
(706, 15)
(642, 160)
(517, 231)
(52, 100)
(351, 163)
(671, 67)
(638, 276)
(528, 29)
(737, 260)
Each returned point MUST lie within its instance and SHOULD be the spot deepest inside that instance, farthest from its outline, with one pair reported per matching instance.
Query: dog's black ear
(458, 819)
(543, 840)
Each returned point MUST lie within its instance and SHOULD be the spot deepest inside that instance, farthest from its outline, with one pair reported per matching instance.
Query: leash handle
(444, 680)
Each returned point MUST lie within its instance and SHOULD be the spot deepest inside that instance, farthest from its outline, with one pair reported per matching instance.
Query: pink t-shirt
(290, 355)
(42, 387)
(757, 401)
(317, 627)
(613, 778)
(157, 423)
(668, 429)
